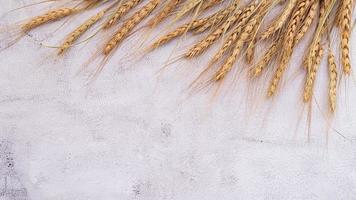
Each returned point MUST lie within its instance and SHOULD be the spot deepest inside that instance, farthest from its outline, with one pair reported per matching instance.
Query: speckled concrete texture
(135, 133)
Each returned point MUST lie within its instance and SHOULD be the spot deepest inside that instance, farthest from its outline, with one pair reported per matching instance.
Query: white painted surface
(132, 135)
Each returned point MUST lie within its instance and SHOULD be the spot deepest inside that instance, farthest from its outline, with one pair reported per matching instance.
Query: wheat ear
(164, 13)
(129, 25)
(73, 36)
(280, 20)
(250, 52)
(316, 51)
(204, 44)
(236, 51)
(265, 60)
(307, 21)
(332, 81)
(188, 6)
(345, 27)
(311, 75)
(182, 30)
(121, 10)
(211, 3)
(288, 45)
(245, 16)
(47, 17)
(219, 17)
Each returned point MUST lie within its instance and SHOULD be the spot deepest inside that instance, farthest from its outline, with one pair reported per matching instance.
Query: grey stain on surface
(10, 184)
(166, 129)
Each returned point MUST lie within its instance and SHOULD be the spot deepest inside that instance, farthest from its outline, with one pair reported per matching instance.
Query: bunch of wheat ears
(236, 27)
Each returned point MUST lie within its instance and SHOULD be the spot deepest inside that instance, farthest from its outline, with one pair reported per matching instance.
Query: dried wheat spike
(280, 21)
(219, 17)
(204, 44)
(171, 5)
(288, 45)
(178, 32)
(245, 16)
(313, 48)
(47, 17)
(188, 6)
(345, 27)
(182, 29)
(236, 51)
(265, 60)
(73, 36)
(332, 81)
(250, 52)
(121, 10)
(211, 3)
(129, 25)
(311, 75)
(307, 21)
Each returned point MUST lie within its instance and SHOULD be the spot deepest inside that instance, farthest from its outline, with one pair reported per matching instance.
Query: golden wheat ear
(47, 17)
(121, 10)
(9, 35)
(164, 13)
(80, 30)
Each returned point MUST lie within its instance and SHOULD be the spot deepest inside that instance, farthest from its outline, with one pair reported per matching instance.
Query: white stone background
(132, 134)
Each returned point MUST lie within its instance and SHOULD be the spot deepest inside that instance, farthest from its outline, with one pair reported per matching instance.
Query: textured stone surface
(133, 133)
